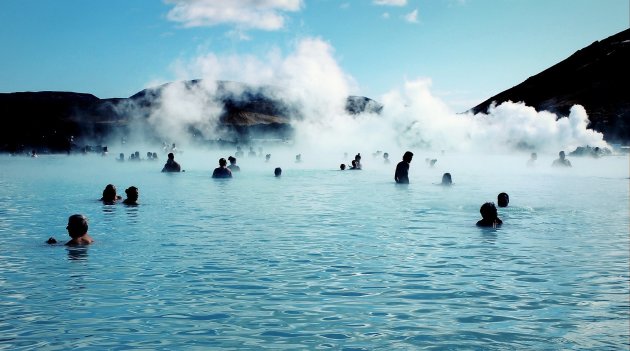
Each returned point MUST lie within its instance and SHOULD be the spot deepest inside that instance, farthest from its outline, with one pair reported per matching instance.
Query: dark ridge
(595, 77)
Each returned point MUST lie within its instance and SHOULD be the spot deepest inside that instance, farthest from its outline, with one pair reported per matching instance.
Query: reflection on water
(316, 259)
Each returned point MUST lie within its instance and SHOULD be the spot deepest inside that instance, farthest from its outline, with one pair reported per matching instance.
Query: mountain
(62, 121)
(595, 77)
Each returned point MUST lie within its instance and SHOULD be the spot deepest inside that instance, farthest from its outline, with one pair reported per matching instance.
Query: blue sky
(470, 49)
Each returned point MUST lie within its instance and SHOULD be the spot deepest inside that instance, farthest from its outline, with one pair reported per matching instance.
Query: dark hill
(595, 77)
(61, 121)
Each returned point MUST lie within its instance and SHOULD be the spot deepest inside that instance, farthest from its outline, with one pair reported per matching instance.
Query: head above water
(561, 154)
(132, 193)
(277, 172)
(222, 162)
(109, 193)
(171, 156)
(232, 160)
(342, 166)
(488, 211)
(407, 156)
(446, 179)
(503, 199)
(77, 225)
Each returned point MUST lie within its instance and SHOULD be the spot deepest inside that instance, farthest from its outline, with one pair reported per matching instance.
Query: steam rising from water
(310, 80)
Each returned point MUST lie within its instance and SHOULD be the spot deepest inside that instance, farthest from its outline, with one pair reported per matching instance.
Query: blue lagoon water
(318, 259)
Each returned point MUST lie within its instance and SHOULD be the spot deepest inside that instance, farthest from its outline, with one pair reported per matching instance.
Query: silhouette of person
(446, 179)
(267, 157)
(239, 152)
(277, 172)
(532, 159)
(233, 167)
(121, 157)
(561, 161)
(132, 196)
(489, 216)
(342, 166)
(109, 195)
(298, 158)
(171, 165)
(386, 158)
(222, 171)
(78, 230)
(401, 176)
(503, 199)
(357, 160)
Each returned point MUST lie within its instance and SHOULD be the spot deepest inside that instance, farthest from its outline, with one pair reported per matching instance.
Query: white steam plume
(310, 80)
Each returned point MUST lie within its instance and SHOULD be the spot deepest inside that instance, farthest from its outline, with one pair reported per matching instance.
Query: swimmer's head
(171, 156)
(109, 193)
(222, 162)
(342, 166)
(132, 193)
(408, 156)
(77, 225)
(503, 199)
(488, 211)
(446, 179)
(561, 154)
(277, 171)
(232, 160)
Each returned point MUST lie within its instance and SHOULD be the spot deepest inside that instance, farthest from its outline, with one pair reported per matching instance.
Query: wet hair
(171, 156)
(109, 193)
(503, 199)
(277, 171)
(132, 192)
(446, 179)
(77, 225)
(408, 154)
(222, 162)
(488, 211)
(231, 159)
(342, 166)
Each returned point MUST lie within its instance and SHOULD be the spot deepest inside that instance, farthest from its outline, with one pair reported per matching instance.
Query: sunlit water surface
(317, 259)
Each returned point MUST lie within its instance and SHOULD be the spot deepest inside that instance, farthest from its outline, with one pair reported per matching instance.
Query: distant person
(342, 166)
(109, 195)
(137, 158)
(173, 148)
(104, 151)
(446, 179)
(78, 230)
(561, 161)
(503, 199)
(298, 158)
(357, 158)
(121, 157)
(233, 167)
(149, 155)
(171, 165)
(239, 152)
(402, 169)
(222, 171)
(132, 196)
(277, 172)
(489, 216)
(386, 158)
(432, 162)
(354, 165)
(155, 157)
(33, 153)
(267, 157)
(532, 160)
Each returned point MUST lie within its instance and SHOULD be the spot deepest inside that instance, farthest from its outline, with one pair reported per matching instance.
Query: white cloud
(247, 14)
(412, 17)
(390, 2)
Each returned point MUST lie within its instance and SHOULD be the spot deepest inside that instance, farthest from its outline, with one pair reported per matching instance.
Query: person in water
(402, 169)
(171, 165)
(342, 166)
(489, 216)
(222, 171)
(78, 230)
(132, 196)
(561, 161)
(503, 199)
(446, 179)
(532, 160)
(109, 195)
(298, 158)
(357, 160)
(233, 167)
(277, 172)
(386, 158)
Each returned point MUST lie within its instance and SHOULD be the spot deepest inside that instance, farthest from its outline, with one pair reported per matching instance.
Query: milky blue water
(318, 259)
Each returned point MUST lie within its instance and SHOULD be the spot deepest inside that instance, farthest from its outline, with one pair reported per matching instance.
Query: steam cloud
(310, 80)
